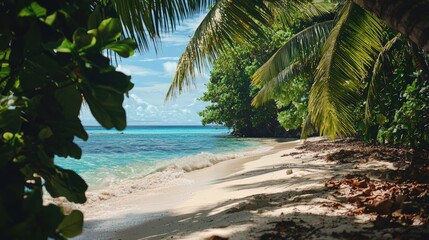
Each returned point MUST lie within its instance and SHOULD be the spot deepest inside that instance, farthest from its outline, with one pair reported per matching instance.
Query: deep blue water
(111, 155)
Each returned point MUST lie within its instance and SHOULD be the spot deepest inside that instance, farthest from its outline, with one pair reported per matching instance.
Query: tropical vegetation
(348, 51)
(230, 91)
(57, 55)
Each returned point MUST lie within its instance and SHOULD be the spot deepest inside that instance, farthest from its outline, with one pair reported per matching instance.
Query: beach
(122, 217)
(243, 198)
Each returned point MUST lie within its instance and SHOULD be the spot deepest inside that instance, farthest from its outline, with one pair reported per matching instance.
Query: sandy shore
(241, 198)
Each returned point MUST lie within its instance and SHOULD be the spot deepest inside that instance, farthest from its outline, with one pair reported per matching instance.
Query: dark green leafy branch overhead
(52, 62)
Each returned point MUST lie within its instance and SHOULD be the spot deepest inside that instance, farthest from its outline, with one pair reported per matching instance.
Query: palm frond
(145, 20)
(378, 66)
(227, 22)
(308, 128)
(287, 12)
(270, 89)
(349, 51)
(301, 50)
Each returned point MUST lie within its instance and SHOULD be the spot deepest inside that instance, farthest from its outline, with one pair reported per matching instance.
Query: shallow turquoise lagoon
(110, 156)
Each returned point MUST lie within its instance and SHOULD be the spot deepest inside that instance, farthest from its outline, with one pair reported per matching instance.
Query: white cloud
(174, 39)
(191, 24)
(159, 59)
(146, 105)
(170, 68)
(194, 101)
(136, 70)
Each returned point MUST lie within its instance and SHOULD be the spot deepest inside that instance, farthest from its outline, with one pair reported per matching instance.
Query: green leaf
(51, 19)
(33, 10)
(65, 47)
(109, 30)
(52, 216)
(379, 65)
(7, 136)
(64, 147)
(381, 119)
(82, 40)
(73, 150)
(106, 106)
(124, 48)
(40, 70)
(72, 224)
(69, 128)
(99, 61)
(297, 55)
(115, 81)
(348, 52)
(226, 24)
(45, 133)
(4, 71)
(10, 120)
(70, 100)
(104, 94)
(66, 183)
(43, 158)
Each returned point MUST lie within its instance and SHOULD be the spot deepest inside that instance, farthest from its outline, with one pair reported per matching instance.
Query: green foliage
(289, 89)
(229, 23)
(51, 62)
(298, 54)
(293, 102)
(352, 66)
(286, 77)
(409, 125)
(347, 54)
(230, 92)
(396, 108)
(225, 23)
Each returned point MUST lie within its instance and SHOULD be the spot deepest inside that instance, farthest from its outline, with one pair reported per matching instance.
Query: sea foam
(163, 174)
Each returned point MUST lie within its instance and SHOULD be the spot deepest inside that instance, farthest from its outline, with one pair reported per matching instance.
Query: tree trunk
(409, 17)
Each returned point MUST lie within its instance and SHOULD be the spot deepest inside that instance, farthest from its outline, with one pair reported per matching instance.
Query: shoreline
(115, 216)
(277, 194)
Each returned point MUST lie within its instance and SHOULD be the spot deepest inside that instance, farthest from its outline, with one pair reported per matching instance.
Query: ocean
(111, 156)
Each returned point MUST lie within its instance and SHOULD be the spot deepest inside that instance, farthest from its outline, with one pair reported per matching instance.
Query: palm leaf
(287, 12)
(378, 66)
(276, 86)
(301, 50)
(233, 22)
(349, 51)
(226, 23)
(308, 128)
(145, 20)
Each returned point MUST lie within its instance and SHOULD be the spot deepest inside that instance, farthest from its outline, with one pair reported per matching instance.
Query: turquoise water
(110, 155)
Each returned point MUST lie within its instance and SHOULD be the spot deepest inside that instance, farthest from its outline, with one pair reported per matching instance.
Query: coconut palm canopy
(345, 49)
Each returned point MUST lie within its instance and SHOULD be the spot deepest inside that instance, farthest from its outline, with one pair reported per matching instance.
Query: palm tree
(350, 50)
(408, 17)
(234, 22)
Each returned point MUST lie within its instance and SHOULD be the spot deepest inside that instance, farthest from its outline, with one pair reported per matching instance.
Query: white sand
(238, 199)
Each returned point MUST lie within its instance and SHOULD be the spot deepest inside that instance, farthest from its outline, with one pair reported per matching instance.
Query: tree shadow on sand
(301, 208)
(245, 215)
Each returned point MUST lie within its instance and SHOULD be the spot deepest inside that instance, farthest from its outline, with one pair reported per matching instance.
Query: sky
(152, 72)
